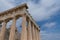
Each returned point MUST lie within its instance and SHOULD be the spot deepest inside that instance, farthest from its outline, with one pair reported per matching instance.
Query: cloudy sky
(46, 13)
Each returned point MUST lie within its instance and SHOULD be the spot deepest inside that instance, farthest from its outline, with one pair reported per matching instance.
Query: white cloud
(49, 36)
(40, 11)
(44, 9)
(4, 5)
(49, 25)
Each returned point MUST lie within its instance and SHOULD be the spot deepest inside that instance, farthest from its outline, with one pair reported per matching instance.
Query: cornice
(15, 8)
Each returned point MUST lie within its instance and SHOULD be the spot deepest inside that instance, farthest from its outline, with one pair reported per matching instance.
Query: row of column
(27, 33)
(12, 31)
(33, 32)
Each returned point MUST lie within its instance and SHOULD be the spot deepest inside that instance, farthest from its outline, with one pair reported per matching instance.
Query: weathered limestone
(33, 31)
(24, 29)
(12, 31)
(30, 30)
(39, 35)
(3, 29)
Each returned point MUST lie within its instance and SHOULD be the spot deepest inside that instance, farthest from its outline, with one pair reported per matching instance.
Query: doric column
(24, 28)
(29, 31)
(33, 32)
(3, 30)
(38, 35)
(12, 30)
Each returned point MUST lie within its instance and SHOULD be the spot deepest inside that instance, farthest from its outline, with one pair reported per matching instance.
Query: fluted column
(12, 30)
(24, 30)
(29, 30)
(33, 32)
(38, 35)
(3, 30)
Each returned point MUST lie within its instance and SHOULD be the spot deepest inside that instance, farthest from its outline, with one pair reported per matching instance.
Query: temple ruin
(29, 29)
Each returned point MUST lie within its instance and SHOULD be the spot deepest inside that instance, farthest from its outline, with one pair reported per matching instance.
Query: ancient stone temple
(29, 29)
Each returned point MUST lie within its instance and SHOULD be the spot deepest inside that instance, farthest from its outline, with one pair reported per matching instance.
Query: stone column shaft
(29, 30)
(38, 35)
(12, 30)
(33, 30)
(24, 29)
(3, 30)
(35, 34)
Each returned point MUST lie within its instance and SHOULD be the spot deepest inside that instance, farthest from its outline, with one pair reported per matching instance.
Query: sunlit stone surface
(29, 29)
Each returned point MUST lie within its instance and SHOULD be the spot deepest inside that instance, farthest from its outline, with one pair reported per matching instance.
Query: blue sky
(46, 13)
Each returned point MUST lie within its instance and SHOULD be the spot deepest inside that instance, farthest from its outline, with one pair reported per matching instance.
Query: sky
(46, 13)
